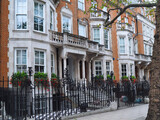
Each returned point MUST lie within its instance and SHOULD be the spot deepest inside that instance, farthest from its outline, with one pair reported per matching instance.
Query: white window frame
(52, 62)
(39, 60)
(85, 31)
(39, 16)
(145, 49)
(130, 46)
(70, 23)
(51, 19)
(106, 39)
(99, 41)
(150, 50)
(131, 69)
(16, 2)
(83, 4)
(122, 45)
(15, 59)
(125, 72)
(133, 25)
(98, 66)
(136, 47)
(108, 70)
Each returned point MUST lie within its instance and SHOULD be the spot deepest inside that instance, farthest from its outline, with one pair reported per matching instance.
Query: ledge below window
(20, 30)
(38, 32)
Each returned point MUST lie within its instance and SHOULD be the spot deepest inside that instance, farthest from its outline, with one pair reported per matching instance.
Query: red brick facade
(4, 35)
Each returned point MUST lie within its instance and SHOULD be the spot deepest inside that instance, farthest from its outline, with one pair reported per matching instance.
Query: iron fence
(64, 97)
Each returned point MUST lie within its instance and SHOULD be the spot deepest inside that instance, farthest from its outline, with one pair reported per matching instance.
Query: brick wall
(4, 35)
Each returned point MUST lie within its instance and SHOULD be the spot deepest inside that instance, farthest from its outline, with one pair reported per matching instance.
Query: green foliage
(133, 77)
(40, 75)
(124, 78)
(53, 75)
(18, 78)
(41, 79)
(108, 77)
(99, 77)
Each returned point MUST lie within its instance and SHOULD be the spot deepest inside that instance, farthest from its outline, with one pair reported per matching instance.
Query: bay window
(52, 63)
(150, 50)
(51, 19)
(130, 46)
(98, 68)
(123, 70)
(81, 5)
(82, 30)
(106, 39)
(39, 61)
(21, 14)
(108, 68)
(131, 69)
(96, 35)
(122, 45)
(20, 60)
(66, 22)
(39, 16)
(145, 49)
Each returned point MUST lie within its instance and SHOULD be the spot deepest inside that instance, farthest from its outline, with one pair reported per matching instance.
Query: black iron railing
(64, 97)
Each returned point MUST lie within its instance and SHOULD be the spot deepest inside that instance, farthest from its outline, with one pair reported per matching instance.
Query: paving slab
(131, 113)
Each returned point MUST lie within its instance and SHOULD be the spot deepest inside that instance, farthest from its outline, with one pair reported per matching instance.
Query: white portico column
(64, 63)
(89, 71)
(104, 68)
(83, 65)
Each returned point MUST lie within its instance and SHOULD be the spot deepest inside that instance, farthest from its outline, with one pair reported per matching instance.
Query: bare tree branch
(125, 8)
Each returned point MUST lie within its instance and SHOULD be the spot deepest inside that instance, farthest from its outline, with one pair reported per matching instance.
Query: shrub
(19, 79)
(108, 77)
(54, 80)
(41, 79)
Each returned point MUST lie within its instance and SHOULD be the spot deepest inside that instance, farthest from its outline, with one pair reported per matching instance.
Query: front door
(71, 67)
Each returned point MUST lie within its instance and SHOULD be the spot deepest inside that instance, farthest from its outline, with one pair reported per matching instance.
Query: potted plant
(41, 79)
(19, 79)
(108, 77)
(54, 80)
(99, 79)
(133, 79)
(125, 79)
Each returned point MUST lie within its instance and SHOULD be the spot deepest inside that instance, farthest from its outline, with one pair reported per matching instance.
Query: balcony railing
(141, 57)
(125, 26)
(98, 14)
(61, 39)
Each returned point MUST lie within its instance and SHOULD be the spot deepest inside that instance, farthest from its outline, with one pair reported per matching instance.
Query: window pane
(106, 41)
(36, 53)
(82, 30)
(38, 17)
(66, 24)
(41, 10)
(42, 61)
(41, 68)
(36, 61)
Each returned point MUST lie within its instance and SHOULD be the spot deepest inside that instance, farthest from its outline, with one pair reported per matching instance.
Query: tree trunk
(154, 95)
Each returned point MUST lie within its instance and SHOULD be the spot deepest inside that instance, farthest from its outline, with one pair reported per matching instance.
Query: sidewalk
(132, 113)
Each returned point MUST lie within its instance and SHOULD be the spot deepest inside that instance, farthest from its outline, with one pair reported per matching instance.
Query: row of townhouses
(51, 35)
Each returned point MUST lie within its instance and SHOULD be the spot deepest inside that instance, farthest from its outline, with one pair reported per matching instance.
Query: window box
(125, 79)
(54, 80)
(41, 79)
(20, 79)
(133, 79)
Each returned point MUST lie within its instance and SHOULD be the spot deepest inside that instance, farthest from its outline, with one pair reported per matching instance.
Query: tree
(154, 95)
